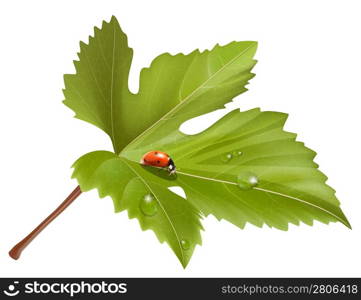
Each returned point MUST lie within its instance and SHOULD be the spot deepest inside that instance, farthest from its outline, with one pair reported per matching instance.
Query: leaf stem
(15, 252)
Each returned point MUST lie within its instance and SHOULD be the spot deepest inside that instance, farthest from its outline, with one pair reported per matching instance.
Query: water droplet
(247, 180)
(185, 244)
(148, 205)
(227, 157)
(237, 153)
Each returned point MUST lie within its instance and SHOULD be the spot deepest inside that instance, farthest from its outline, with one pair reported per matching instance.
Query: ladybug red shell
(158, 159)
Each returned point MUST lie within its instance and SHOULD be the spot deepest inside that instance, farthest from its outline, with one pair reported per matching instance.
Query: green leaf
(181, 86)
(132, 188)
(245, 168)
(99, 89)
(213, 167)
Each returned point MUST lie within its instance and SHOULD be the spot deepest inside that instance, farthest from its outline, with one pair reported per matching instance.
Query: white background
(309, 66)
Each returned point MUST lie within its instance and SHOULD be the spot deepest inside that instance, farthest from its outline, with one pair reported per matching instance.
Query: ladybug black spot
(158, 161)
(156, 153)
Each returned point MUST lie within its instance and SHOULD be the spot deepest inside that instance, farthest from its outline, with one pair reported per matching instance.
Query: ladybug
(158, 159)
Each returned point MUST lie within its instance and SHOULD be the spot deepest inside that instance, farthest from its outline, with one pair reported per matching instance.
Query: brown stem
(15, 252)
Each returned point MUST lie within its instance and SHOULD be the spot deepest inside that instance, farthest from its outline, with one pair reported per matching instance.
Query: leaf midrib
(181, 103)
(161, 206)
(269, 191)
(111, 93)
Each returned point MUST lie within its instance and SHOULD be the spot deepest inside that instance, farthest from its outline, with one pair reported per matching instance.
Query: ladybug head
(171, 167)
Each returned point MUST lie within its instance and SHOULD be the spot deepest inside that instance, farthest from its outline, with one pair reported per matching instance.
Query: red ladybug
(158, 159)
